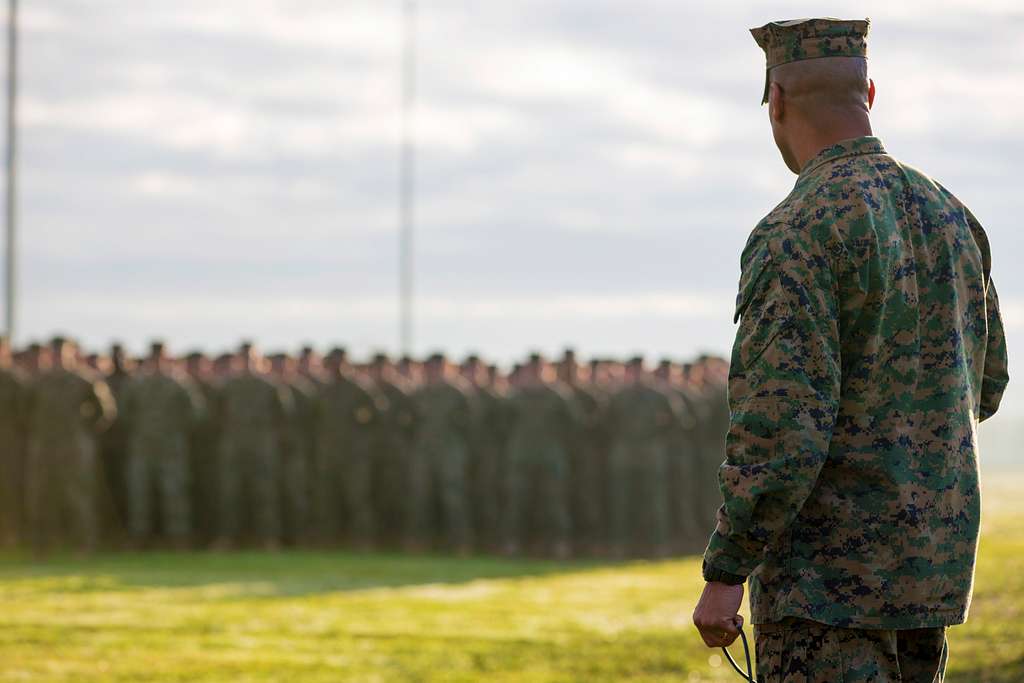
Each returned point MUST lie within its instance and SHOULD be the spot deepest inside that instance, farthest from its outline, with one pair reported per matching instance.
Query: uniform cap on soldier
(798, 39)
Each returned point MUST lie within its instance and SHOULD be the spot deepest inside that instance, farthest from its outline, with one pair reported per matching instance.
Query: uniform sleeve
(784, 386)
(103, 405)
(996, 374)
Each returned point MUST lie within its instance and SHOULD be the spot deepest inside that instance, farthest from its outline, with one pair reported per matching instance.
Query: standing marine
(161, 411)
(13, 408)
(67, 410)
(869, 349)
(254, 411)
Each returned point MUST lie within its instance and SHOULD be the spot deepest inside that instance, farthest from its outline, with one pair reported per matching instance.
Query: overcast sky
(589, 170)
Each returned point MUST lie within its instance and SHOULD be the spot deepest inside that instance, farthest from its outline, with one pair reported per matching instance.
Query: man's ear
(776, 106)
(871, 94)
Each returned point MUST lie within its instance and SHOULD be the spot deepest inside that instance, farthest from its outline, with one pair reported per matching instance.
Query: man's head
(568, 368)
(197, 365)
(635, 369)
(248, 357)
(380, 367)
(63, 353)
(436, 368)
(816, 84)
(158, 358)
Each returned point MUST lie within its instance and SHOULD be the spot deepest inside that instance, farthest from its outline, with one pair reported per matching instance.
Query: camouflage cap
(792, 41)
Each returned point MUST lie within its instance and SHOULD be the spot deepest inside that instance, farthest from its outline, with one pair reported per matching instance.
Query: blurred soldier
(203, 450)
(311, 366)
(586, 489)
(411, 371)
(114, 447)
(440, 460)
(542, 424)
(711, 443)
(161, 412)
(36, 360)
(642, 420)
(347, 411)
(66, 412)
(395, 433)
(685, 517)
(296, 447)
(487, 439)
(13, 407)
(224, 366)
(254, 411)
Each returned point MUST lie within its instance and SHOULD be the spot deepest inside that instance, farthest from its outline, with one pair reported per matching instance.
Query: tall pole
(407, 176)
(11, 196)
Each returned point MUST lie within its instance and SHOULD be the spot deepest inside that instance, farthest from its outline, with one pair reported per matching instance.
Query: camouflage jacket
(869, 348)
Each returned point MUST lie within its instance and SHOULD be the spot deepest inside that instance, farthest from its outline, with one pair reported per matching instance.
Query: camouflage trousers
(295, 493)
(536, 482)
(12, 477)
(249, 472)
(586, 498)
(391, 486)
(638, 496)
(801, 651)
(159, 463)
(438, 474)
(344, 494)
(61, 478)
(686, 517)
(485, 484)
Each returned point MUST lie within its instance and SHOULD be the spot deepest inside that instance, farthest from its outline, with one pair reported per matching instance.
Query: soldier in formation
(238, 450)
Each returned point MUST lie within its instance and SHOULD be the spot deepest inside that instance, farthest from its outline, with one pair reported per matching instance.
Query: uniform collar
(844, 148)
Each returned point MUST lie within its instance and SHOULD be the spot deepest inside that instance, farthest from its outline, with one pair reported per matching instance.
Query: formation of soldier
(556, 459)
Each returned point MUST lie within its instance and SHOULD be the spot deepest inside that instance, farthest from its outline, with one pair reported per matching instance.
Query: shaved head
(814, 103)
(823, 85)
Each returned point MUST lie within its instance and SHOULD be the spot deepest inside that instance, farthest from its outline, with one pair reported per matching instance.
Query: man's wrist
(715, 575)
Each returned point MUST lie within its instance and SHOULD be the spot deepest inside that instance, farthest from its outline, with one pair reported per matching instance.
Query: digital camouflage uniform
(67, 409)
(347, 410)
(160, 412)
(395, 433)
(802, 651)
(869, 348)
(113, 447)
(686, 522)
(543, 420)
(204, 463)
(297, 441)
(439, 467)
(712, 427)
(13, 407)
(488, 433)
(587, 494)
(643, 421)
(253, 411)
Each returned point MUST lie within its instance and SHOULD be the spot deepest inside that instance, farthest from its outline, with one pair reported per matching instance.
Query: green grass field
(344, 617)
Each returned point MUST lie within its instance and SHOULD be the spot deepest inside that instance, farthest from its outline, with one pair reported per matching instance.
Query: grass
(344, 617)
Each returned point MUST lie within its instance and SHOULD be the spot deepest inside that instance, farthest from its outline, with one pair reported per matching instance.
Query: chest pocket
(761, 309)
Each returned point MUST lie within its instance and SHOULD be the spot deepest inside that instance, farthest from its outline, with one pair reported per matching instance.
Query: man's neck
(809, 146)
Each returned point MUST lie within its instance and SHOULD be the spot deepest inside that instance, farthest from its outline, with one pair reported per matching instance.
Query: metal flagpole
(407, 176)
(11, 214)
